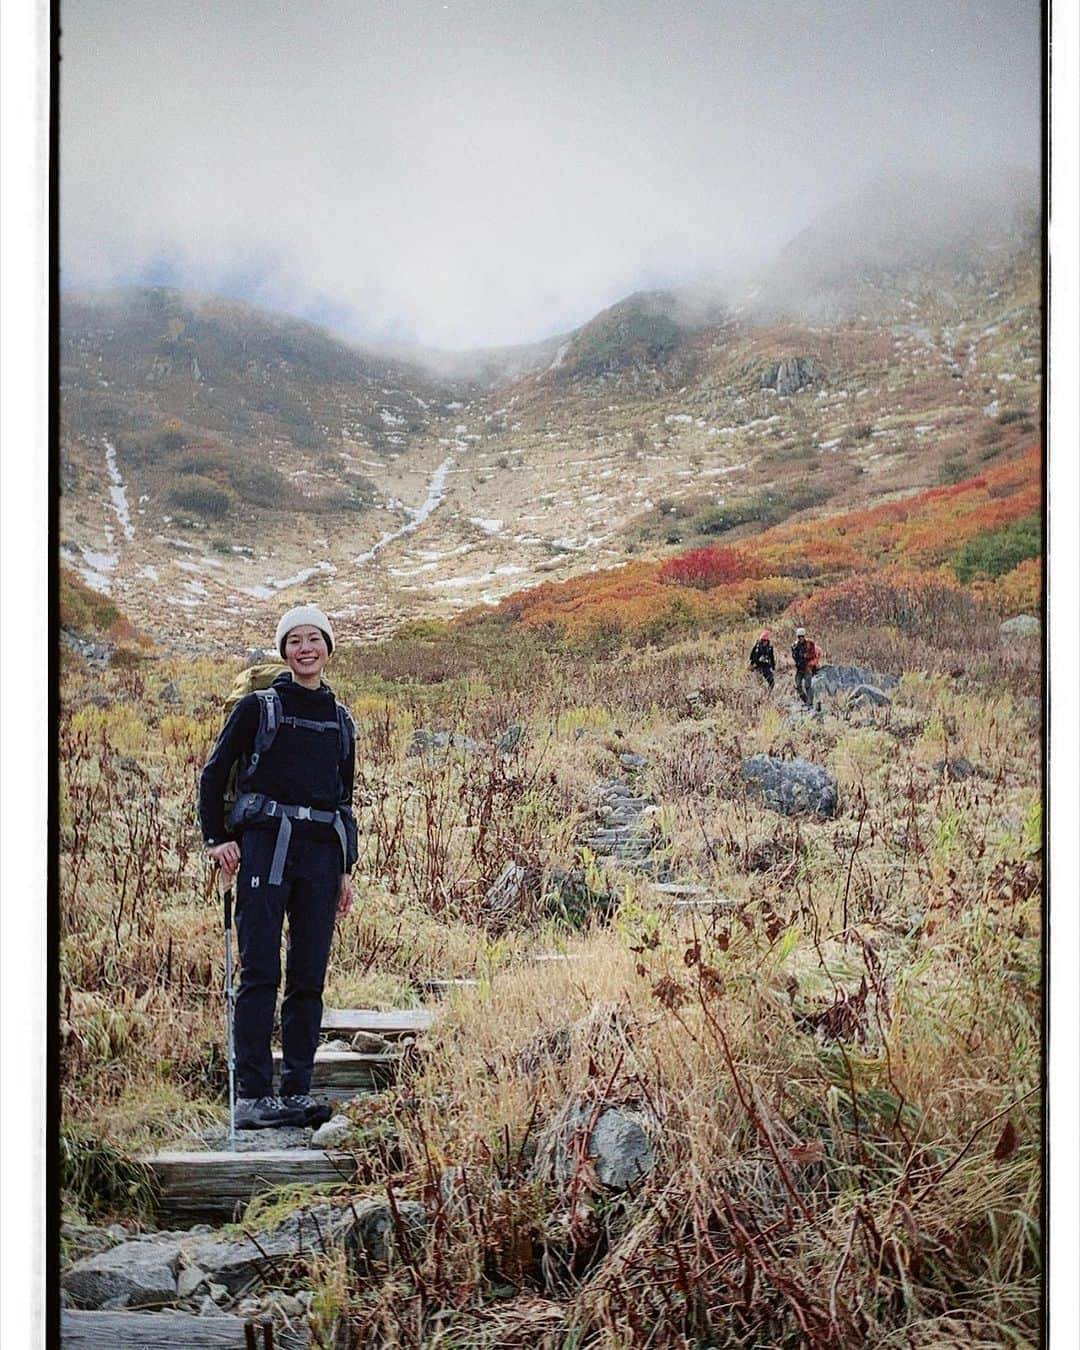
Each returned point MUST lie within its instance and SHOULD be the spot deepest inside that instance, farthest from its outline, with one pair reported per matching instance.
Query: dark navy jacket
(303, 767)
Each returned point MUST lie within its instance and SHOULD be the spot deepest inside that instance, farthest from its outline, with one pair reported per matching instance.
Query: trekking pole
(230, 1006)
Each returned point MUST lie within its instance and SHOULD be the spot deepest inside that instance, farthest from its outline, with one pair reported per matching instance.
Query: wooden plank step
(345, 1069)
(175, 1330)
(392, 1025)
(195, 1187)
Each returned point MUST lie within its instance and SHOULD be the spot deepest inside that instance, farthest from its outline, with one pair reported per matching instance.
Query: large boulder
(791, 786)
(132, 1275)
(833, 680)
(1023, 625)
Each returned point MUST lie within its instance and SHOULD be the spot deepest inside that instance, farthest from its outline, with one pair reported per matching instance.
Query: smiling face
(306, 654)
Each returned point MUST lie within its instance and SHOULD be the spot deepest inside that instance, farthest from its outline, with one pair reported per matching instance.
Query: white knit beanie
(303, 614)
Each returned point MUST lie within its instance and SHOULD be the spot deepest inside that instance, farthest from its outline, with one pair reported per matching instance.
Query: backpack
(259, 680)
(813, 656)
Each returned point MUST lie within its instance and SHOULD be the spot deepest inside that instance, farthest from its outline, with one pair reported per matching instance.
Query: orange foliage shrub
(880, 549)
(704, 568)
(914, 602)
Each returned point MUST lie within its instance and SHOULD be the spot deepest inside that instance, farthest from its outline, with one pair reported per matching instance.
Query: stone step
(391, 1025)
(204, 1187)
(678, 888)
(346, 1070)
(171, 1331)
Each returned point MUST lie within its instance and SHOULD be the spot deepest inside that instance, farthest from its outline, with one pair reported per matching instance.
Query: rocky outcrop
(791, 786)
(790, 375)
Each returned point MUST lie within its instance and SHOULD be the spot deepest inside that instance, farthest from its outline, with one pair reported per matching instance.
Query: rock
(132, 1275)
(218, 1293)
(80, 1240)
(190, 1280)
(791, 786)
(618, 1146)
(868, 696)
(377, 1229)
(168, 693)
(208, 1308)
(956, 769)
(424, 742)
(790, 375)
(1023, 625)
(508, 894)
(334, 1132)
(256, 656)
(232, 1262)
(629, 760)
(370, 1043)
(832, 679)
(509, 741)
(624, 1156)
(336, 1044)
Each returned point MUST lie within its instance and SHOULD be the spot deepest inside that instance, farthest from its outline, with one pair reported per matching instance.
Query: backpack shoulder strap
(346, 729)
(269, 721)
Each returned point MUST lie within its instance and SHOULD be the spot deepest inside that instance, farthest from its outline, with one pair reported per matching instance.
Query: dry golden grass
(839, 1068)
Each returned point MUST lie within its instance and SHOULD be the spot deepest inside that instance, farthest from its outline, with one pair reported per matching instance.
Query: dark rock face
(791, 786)
(790, 375)
(833, 679)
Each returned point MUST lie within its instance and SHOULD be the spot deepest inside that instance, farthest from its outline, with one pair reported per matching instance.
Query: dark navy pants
(308, 895)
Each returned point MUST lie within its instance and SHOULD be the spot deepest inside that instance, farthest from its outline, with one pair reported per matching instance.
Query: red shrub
(705, 567)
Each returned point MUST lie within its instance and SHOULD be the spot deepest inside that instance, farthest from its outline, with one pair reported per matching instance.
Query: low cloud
(481, 173)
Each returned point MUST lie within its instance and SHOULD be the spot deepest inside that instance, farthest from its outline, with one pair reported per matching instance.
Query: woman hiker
(290, 841)
(763, 658)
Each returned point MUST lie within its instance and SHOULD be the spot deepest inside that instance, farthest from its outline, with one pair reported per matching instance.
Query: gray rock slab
(132, 1275)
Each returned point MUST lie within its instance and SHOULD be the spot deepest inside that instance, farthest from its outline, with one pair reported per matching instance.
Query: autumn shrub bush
(705, 567)
(999, 551)
(194, 492)
(913, 602)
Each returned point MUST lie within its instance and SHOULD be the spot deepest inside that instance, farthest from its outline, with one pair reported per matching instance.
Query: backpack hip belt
(254, 807)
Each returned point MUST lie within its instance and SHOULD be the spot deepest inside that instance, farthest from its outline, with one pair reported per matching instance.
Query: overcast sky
(479, 172)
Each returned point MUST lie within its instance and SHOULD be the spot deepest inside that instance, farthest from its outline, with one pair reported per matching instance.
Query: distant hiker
(290, 840)
(805, 655)
(763, 658)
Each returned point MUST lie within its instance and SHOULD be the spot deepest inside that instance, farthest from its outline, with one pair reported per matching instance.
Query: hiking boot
(313, 1112)
(266, 1113)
